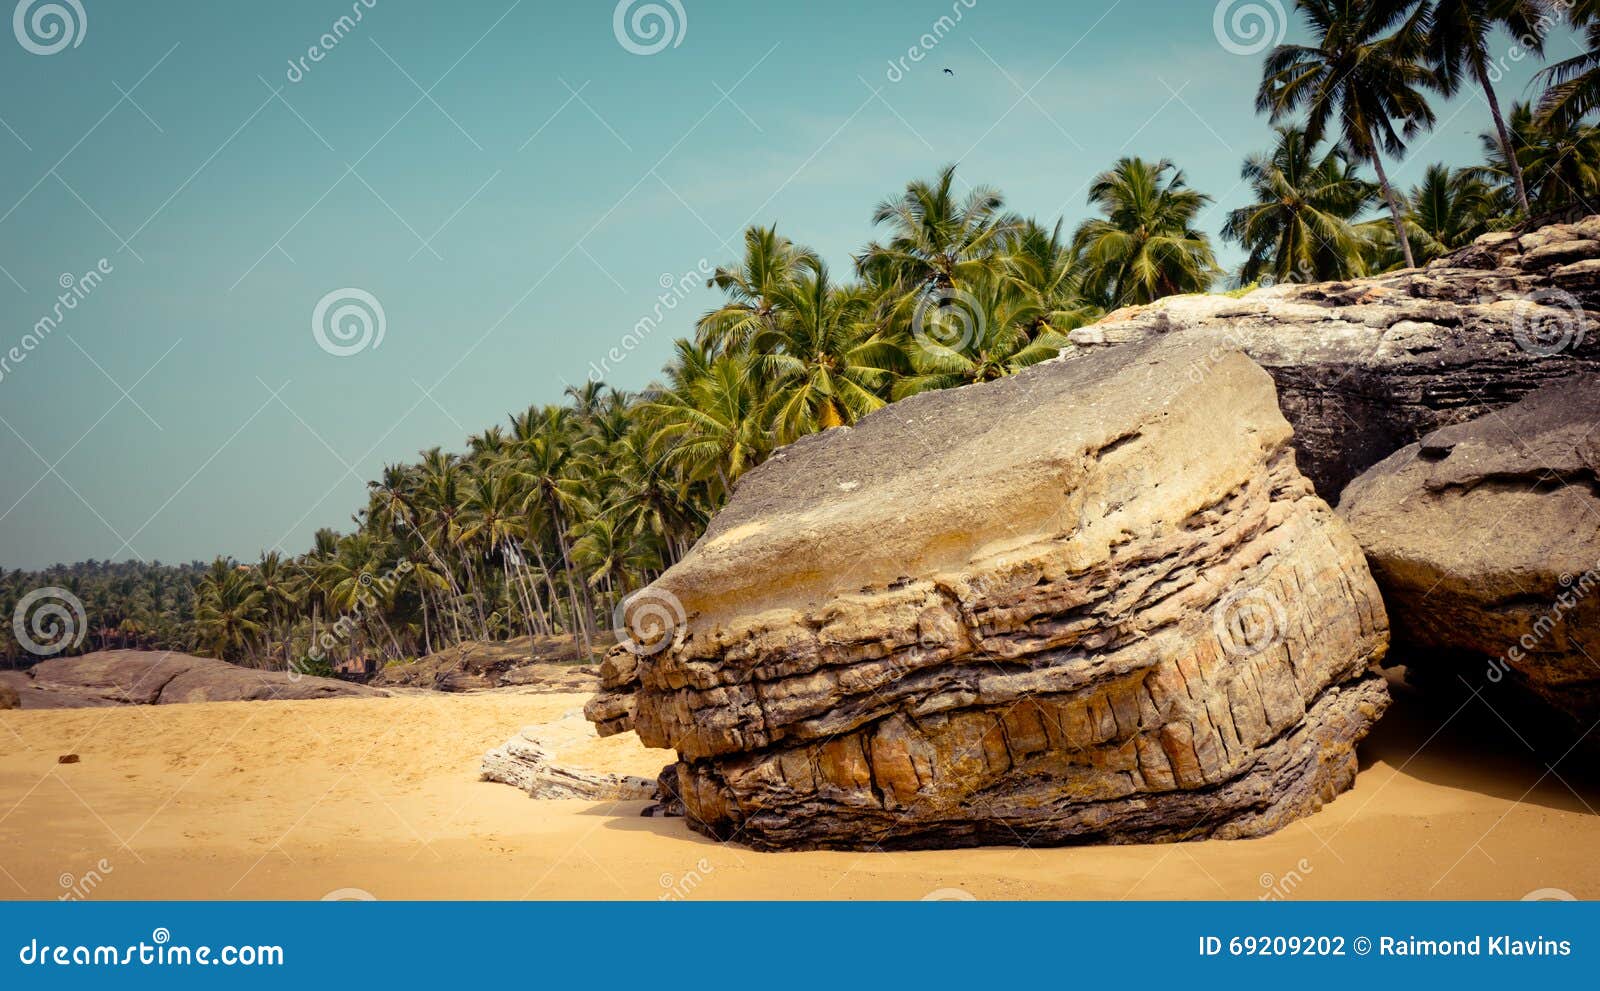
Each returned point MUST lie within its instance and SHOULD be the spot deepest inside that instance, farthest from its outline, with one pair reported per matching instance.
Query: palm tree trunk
(1394, 204)
(1505, 142)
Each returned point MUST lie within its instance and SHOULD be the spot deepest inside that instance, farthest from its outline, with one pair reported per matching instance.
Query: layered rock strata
(1093, 602)
(1368, 366)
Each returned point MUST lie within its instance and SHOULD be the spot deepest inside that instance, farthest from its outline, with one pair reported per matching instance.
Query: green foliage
(544, 526)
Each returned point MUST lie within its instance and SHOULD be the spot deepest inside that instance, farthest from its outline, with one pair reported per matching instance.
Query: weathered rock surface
(1093, 602)
(9, 698)
(1366, 367)
(1485, 539)
(138, 677)
(541, 664)
(524, 763)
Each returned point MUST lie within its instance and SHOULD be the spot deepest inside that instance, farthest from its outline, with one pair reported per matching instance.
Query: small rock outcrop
(9, 698)
(524, 763)
(141, 677)
(1092, 602)
(1485, 540)
(538, 664)
(1365, 367)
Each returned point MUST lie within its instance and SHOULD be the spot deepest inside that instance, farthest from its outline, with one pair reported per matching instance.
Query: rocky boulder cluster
(1098, 601)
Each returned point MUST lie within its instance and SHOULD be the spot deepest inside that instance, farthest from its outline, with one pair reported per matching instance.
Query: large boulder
(1093, 602)
(1485, 539)
(1368, 366)
(143, 677)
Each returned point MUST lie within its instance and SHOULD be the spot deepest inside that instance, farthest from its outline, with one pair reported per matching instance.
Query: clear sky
(513, 185)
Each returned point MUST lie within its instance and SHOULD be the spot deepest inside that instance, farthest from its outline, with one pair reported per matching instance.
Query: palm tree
(1146, 245)
(228, 611)
(1039, 265)
(709, 427)
(1574, 83)
(1458, 47)
(937, 240)
(1300, 225)
(825, 365)
(771, 263)
(1448, 210)
(997, 343)
(1367, 78)
(1561, 162)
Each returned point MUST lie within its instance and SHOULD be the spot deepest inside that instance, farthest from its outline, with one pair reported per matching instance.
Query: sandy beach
(380, 797)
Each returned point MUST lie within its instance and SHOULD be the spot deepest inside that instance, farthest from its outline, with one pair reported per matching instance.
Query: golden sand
(295, 800)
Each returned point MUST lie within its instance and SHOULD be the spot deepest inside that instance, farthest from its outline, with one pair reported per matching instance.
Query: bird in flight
(949, 72)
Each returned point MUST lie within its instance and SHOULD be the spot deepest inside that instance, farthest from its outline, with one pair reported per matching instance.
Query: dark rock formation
(1366, 367)
(1094, 602)
(1485, 540)
(138, 677)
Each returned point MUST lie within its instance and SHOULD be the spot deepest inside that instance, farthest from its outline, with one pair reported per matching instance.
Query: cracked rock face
(1093, 602)
(1485, 538)
(1365, 367)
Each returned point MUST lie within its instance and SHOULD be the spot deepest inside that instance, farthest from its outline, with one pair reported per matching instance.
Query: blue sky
(513, 185)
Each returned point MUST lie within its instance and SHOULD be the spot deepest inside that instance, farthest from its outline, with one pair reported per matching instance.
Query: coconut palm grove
(545, 524)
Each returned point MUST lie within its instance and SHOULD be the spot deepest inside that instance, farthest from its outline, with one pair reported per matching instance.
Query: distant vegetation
(543, 525)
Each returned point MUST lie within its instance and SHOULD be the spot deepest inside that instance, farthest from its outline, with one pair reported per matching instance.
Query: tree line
(546, 524)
